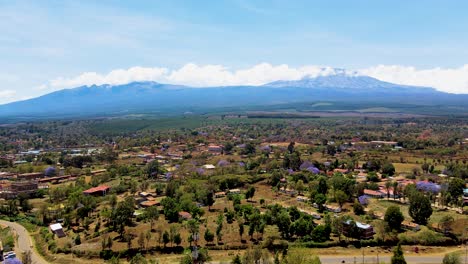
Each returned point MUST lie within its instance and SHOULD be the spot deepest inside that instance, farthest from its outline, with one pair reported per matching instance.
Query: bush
(452, 258)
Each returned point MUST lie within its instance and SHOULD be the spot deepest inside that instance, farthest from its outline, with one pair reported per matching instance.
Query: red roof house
(100, 190)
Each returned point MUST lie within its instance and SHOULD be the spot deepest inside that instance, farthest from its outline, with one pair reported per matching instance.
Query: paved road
(423, 259)
(24, 242)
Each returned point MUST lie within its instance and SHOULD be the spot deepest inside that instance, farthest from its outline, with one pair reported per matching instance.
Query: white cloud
(7, 93)
(453, 80)
(7, 96)
(449, 80)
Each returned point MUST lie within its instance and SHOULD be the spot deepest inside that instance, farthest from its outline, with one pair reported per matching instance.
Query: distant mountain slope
(151, 97)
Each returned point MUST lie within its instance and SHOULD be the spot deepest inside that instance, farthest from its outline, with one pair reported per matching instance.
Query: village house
(30, 176)
(234, 191)
(219, 194)
(27, 187)
(57, 229)
(185, 215)
(366, 231)
(97, 191)
(215, 149)
(410, 225)
(333, 209)
(374, 194)
(302, 199)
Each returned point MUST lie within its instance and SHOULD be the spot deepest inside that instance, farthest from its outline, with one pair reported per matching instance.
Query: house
(26, 187)
(219, 194)
(288, 191)
(97, 191)
(374, 194)
(150, 203)
(215, 148)
(57, 229)
(334, 209)
(302, 199)
(185, 215)
(410, 225)
(209, 166)
(366, 231)
(30, 176)
(234, 191)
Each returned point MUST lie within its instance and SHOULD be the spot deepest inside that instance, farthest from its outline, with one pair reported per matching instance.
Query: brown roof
(101, 188)
(149, 203)
(185, 215)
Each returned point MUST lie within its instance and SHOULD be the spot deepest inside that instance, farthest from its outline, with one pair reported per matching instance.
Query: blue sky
(44, 44)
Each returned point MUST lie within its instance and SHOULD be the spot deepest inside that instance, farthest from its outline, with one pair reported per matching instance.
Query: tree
(320, 200)
(358, 208)
(171, 209)
(138, 259)
(209, 199)
(209, 236)
(398, 257)
(236, 260)
(320, 234)
(122, 215)
(141, 240)
(452, 258)
(283, 222)
(250, 193)
(341, 197)
(166, 238)
(322, 186)
(420, 208)
(300, 186)
(177, 239)
(388, 185)
(388, 169)
(241, 227)
(394, 217)
(446, 223)
(152, 169)
(455, 188)
(151, 214)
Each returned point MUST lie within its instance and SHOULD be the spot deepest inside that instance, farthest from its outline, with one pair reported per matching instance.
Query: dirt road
(24, 242)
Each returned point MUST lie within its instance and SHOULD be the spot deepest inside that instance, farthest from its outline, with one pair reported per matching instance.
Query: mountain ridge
(148, 96)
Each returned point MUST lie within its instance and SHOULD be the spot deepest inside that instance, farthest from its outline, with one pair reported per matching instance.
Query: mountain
(345, 80)
(152, 97)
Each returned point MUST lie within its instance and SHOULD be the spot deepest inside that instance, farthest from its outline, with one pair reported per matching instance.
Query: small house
(97, 191)
(219, 194)
(57, 229)
(185, 215)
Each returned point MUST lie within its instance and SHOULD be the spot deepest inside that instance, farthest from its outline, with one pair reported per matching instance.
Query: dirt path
(24, 242)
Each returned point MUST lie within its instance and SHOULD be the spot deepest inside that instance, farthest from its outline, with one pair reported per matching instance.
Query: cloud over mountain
(452, 80)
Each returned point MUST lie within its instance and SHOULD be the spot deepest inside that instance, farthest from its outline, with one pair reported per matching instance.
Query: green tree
(320, 200)
(398, 257)
(250, 192)
(166, 238)
(209, 236)
(358, 208)
(388, 169)
(452, 258)
(420, 208)
(151, 214)
(341, 197)
(394, 217)
(138, 259)
(210, 200)
(455, 188)
(236, 260)
(152, 169)
(320, 234)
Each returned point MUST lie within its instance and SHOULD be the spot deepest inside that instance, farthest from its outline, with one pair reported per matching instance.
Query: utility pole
(362, 255)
